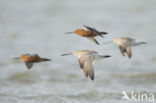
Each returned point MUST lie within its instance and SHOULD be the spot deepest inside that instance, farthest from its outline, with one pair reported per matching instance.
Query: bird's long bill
(108, 42)
(66, 54)
(16, 58)
(68, 32)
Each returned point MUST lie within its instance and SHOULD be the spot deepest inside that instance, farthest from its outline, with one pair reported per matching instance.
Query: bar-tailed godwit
(125, 44)
(29, 59)
(89, 33)
(86, 58)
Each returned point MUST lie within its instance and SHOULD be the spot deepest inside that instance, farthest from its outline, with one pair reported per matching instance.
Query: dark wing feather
(129, 52)
(81, 62)
(87, 66)
(89, 69)
(94, 31)
(123, 50)
(28, 65)
(87, 28)
(91, 72)
(93, 39)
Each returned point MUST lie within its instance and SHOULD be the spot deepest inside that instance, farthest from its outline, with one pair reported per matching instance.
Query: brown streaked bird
(89, 33)
(29, 59)
(86, 58)
(125, 44)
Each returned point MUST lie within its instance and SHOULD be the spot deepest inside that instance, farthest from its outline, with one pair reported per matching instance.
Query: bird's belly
(86, 34)
(90, 35)
(33, 60)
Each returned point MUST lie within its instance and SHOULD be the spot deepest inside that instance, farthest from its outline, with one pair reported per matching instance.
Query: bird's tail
(104, 33)
(138, 43)
(142, 42)
(105, 56)
(45, 59)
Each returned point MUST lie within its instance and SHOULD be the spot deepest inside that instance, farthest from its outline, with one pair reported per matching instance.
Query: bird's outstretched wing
(126, 50)
(94, 30)
(123, 50)
(89, 70)
(87, 66)
(87, 28)
(28, 65)
(93, 39)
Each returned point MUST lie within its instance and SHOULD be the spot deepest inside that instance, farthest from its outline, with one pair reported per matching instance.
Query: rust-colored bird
(29, 59)
(89, 33)
(86, 58)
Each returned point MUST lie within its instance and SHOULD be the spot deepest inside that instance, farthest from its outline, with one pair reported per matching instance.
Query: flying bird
(125, 44)
(29, 59)
(89, 33)
(86, 58)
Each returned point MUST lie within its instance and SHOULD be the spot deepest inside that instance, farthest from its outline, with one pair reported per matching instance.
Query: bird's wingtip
(92, 78)
(108, 56)
(144, 42)
(104, 33)
(84, 25)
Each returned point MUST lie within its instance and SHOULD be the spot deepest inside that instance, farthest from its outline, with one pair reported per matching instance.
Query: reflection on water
(39, 27)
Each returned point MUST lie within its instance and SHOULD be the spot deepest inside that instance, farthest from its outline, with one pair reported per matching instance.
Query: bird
(29, 59)
(89, 32)
(86, 58)
(125, 44)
